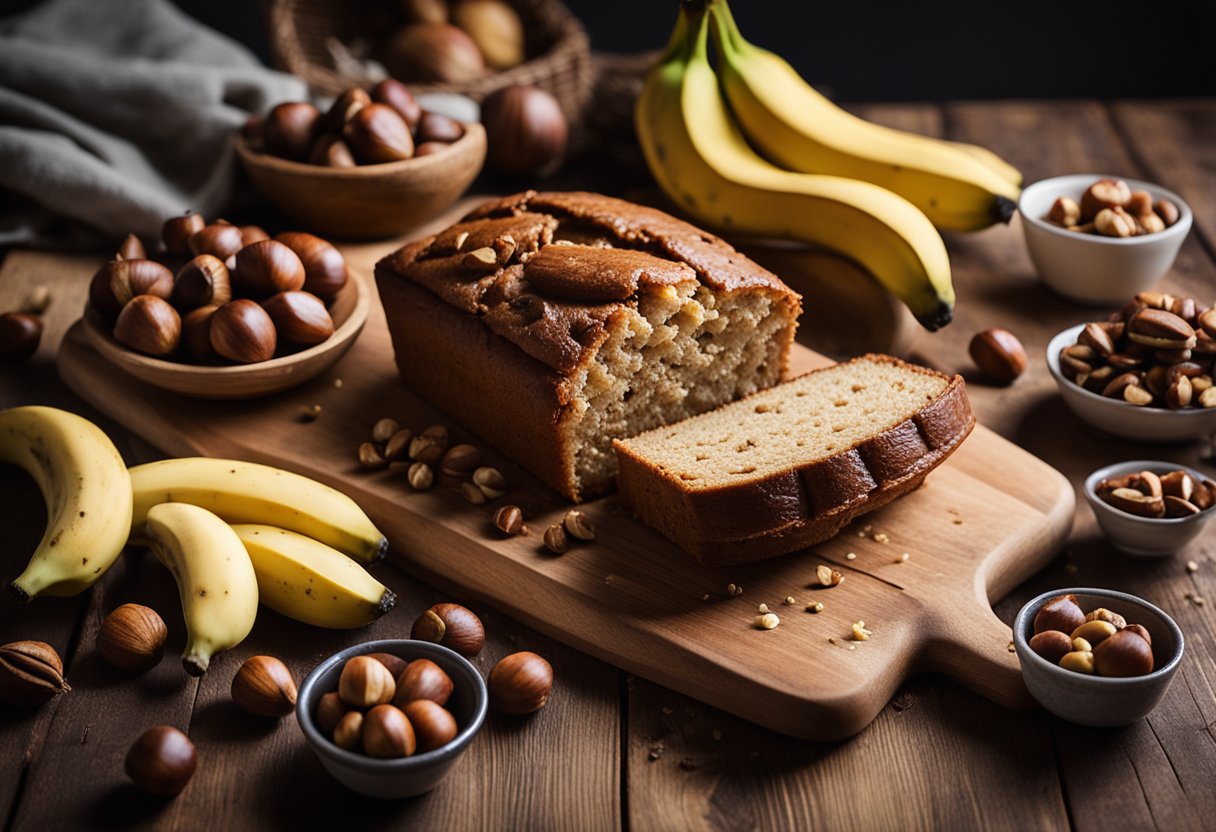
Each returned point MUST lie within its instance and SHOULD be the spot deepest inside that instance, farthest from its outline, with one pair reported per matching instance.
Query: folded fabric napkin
(120, 114)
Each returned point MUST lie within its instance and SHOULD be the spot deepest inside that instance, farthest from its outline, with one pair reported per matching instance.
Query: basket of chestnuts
(472, 47)
(225, 311)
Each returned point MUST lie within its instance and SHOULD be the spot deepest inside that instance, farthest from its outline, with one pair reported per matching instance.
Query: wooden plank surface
(939, 756)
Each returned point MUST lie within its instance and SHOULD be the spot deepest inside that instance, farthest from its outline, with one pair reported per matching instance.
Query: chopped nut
(1192, 566)
(510, 520)
(768, 621)
(472, 493)
(828, 576)
(789, 601)
(1011, 648)
(579, 525)
(491, 482)
(882, 537)
(420, 476)
(734, 589)
(309, 413)
(430, 445)
(815, 607)
(481, 259)
(556, 540)
(460, 238)
(383, 430)
(850, 556)
(903, 558)
(763, 608)
(369, 457)
(860, 633)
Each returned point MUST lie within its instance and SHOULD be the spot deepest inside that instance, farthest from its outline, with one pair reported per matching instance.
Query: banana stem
(726, 31)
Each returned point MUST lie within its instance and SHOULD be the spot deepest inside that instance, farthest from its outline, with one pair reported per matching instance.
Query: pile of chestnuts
(237, 296)
(1099, 642)
(360, 128)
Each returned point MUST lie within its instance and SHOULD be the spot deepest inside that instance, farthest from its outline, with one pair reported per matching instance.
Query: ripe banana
(304, 579)
(214, 577)
(800, 130)
(87, 491)
(244, 492)
(702, 161)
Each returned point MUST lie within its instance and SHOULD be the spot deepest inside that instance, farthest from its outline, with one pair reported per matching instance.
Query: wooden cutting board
(984, 522)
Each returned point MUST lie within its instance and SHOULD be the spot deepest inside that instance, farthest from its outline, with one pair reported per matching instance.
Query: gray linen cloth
(119, 114)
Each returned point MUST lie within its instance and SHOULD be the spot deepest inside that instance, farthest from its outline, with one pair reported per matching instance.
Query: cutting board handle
(973, 646)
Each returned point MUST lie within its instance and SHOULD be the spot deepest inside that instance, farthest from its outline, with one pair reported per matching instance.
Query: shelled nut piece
(132, 637)
(491, 482)
(556, 540)
(579, 525)
(827, 576)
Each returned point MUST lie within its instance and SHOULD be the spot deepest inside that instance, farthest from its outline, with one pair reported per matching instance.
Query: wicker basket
(559, 53)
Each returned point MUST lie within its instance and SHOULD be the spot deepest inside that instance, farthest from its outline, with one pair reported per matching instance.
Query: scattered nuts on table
(20, 334)
(510, 520)
(132, 637)
(1102, 644)
(310, 413)
(816, 607)
(420, 476)
(370, 458)
(767, 621)
(263, 686)
(827, 576)
(1145, 494)
(1158, 350)
(472, 494)
(579, 525)
(1111, 208)
(860, 633)
(31, 673)
(520, 683)
(453, 626)
(556, 540)
(161, 761)
(384, 429)
(999, 355)
(491, 482)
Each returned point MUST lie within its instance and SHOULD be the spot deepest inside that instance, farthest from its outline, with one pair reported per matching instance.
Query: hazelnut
(1060, 613)
(556, 540)
(458, 464)
(201, 282)
(434, 726)
(1123, 654)
(31, 672)
(241, 331)
(299, 317)
(219, 240)
(436, 127)
(520, 683)
(266, 268)
(1095, 632)
(1065, 212)
(20, 334)
(398, 96)
(132, 248)
(330, 711)
(397, 447)
(395, 664)
(370, 457)
(422, 679)
(491, 482)
(378, 134)
(263, 686)
(1104, 194)
(324, 265)
(472, 493)
(1078, 662)
(132, 637)
(387, 733)
(578, 525)
(344, 108)
(162, 761)
(332, 152)
(999, 355)
(1052, 645)
(420, 476)
(526, 131)
(453, 626)
(510, 521)
(196, 334)
(430, 445)
(827, 576)
(1167, 210)
(176, 233)
(290, 128)
(118, 281)
(348, 733)
(149, 325)
(365, 682)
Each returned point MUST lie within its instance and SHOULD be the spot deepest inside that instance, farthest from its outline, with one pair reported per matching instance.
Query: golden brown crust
(803, 504)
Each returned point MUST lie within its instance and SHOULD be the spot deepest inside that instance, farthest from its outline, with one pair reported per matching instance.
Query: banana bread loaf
(790, 466)
(551, 324)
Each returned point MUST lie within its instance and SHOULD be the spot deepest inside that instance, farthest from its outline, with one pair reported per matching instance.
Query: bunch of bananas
(868, 192)
(232, 533)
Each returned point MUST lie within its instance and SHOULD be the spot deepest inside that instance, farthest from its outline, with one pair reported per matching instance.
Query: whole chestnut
(348, 733)
(266, 268)
(397, 95)
(115, 283)
(253, 234)
(395, 664)
(20, 334)
(999, 355)
(331, 152)
(196, 333)
(496, 29)
(435, 53)
(1126, 653)
(290, 128)
(218, 239)
(324, 265)
(436, 127)
(263, 686)
(427, 148)
(1060, 613)
(241, 331)
(299, 317)
(343, 109)
(330, 711)
(423, 679)
(378, 134)
(202, 281)
(149, 325)
(434, 726)
(526, 131)
(176, 231)
(388, 733)
(132, 248)
(520, 683)
(1052, 645)
(453, 626)
(162, 761)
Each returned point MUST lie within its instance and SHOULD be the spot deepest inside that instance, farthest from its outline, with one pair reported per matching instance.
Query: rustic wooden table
(616, 751)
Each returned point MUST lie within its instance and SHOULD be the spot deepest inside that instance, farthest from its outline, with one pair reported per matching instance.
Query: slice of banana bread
(551, 324)
(790, 466)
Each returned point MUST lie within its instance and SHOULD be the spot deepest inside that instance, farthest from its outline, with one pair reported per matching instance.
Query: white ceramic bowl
(407, 776)
(1145, 537)
(1100, 700)
(1090, 268)
(1115, 416)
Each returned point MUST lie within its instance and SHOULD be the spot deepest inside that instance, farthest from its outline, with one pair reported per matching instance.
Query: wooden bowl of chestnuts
(225, 312)
(373, 166)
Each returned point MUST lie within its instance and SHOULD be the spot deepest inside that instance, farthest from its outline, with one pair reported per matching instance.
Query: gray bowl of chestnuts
(1096, 656)
(396, 747)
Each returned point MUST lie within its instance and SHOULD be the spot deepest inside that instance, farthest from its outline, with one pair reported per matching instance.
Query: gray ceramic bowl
(1099, 700)
(1144, 537)
(407, 776)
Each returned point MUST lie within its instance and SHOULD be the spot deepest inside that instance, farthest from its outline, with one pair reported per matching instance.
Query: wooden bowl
(243, 381)
(368, 201)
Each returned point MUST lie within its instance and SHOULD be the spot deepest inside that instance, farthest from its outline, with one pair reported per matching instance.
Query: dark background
(919, 51)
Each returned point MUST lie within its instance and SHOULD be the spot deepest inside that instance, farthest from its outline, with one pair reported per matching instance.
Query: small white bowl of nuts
(1098, 239)
(1145, 373)
(1096, 656)
(1148, 508)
